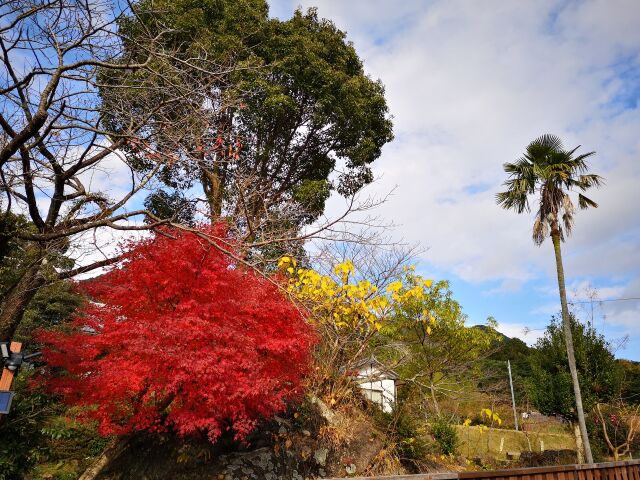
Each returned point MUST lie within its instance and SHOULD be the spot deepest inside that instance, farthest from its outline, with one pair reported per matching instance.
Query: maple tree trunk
(17, 300)
(103, 460)
(568, 337)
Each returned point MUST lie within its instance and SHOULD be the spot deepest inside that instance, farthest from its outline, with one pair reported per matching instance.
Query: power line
(595, 300)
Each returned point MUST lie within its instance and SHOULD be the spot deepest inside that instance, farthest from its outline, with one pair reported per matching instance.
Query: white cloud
(469, 85)
(100, 244)
(546, 309)
(521, 331)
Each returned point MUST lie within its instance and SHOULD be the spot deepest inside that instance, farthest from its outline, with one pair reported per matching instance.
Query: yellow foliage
(491, 416)
(351, 303)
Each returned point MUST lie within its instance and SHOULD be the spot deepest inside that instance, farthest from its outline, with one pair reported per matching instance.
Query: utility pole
(513, 397)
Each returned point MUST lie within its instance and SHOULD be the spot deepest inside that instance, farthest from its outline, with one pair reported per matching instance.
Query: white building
(378, 383)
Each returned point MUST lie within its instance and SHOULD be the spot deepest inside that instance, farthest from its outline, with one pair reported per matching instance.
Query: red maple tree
(182, 337)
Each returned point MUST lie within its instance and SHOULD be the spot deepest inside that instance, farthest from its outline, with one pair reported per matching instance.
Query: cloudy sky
(470, 84)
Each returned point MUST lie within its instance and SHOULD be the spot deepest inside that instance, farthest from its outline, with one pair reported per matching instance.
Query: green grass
(476, 443)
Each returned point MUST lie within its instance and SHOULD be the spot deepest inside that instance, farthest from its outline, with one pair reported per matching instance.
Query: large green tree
(631, 383)
(551, 386)
(293, 118)
(550, 172)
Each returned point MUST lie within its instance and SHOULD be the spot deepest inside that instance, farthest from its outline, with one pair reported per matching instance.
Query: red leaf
(181, 336)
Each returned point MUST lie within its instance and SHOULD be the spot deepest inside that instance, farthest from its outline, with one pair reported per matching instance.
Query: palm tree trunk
(566, 326)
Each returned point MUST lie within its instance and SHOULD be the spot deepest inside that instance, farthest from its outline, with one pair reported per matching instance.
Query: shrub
(445, 435)
(41, 431)
(411, 442)
(405, 434)
(181, 336)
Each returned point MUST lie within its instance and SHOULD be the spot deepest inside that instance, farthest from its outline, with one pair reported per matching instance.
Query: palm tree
(550, 172)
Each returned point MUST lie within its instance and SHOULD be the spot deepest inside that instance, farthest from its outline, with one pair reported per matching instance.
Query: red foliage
(184, 338)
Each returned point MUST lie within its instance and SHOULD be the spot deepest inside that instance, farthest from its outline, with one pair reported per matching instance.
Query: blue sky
(469, 85)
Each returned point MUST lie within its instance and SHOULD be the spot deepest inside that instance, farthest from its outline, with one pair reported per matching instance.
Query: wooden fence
(628, 470)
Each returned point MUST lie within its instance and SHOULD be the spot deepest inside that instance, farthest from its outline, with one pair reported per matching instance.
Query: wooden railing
(627, 470)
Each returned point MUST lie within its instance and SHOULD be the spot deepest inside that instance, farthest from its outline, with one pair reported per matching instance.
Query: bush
(445, 435)
(181, 336)
(406, 434)
(42, 434)
(411, 443)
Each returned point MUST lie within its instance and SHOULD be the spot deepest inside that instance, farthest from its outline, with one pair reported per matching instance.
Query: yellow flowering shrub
(351, 303)
(491, 416)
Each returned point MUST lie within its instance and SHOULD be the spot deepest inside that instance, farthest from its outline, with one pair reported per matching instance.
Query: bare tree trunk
(103, 460)
(210, 180)
(434, 399)
(212, 187)
(18, 299)
(568, 337)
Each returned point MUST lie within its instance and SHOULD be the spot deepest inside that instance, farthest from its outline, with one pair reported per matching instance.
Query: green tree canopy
(293, 118)
(599, 373)
(631, 381)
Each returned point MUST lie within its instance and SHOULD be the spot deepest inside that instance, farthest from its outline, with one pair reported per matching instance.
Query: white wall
(378, 386)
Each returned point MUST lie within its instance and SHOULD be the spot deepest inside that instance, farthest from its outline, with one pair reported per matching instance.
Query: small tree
(436, 353)
(445, 435)
(180, 336)
(350, 313)
(619, 424)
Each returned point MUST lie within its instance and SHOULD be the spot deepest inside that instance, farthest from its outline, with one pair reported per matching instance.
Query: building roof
(373, 362)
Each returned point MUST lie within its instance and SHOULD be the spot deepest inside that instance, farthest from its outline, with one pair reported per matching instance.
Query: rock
(328, 414)
(320, 456)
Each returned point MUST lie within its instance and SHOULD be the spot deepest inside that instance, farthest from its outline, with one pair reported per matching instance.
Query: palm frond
(547, 141)
(521, 169)
(567, 217)
(567, 204)
(578, 164)
(540, 230)
(517, 167)
(585, 202)
(513, 200)
(551, 171)
(584, 182)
